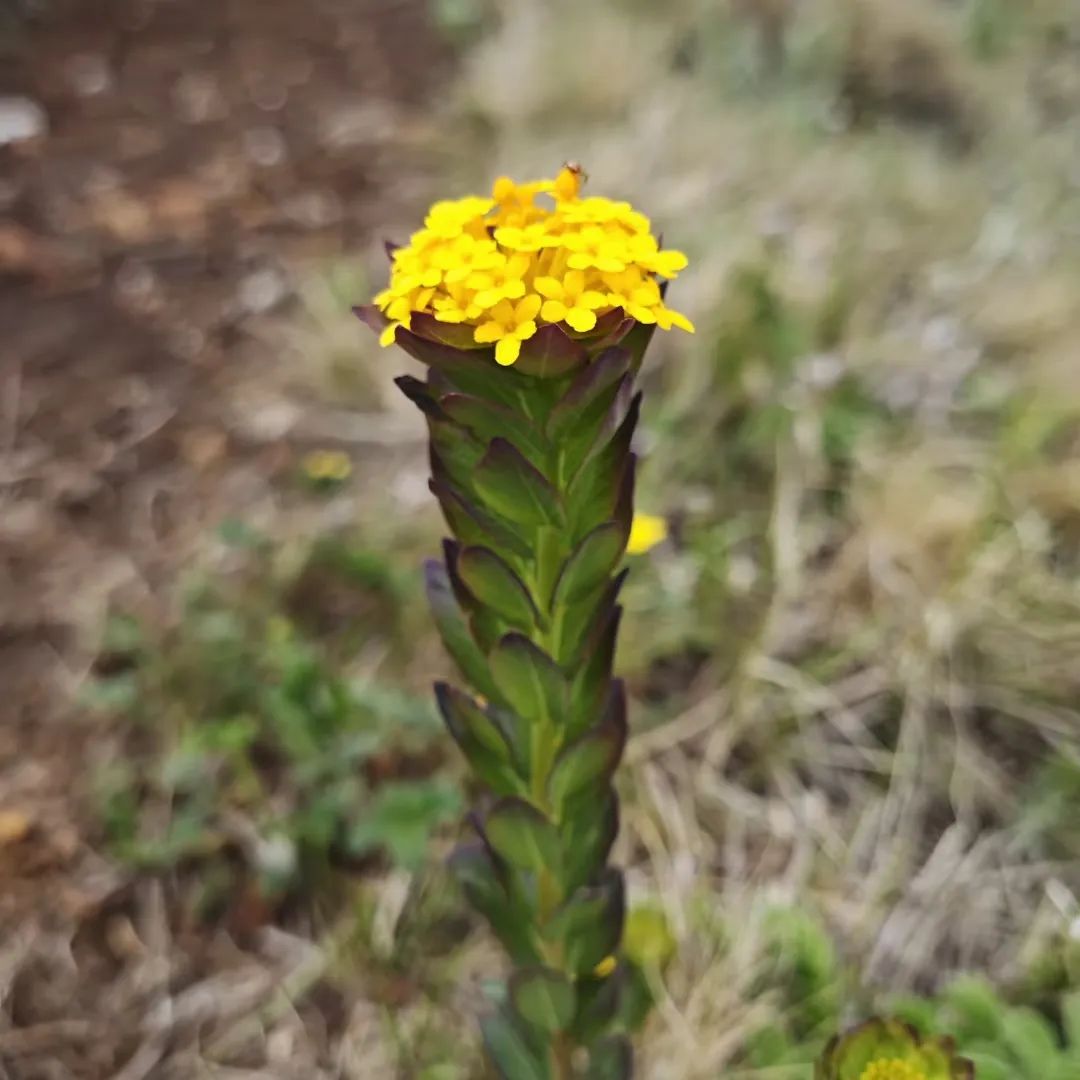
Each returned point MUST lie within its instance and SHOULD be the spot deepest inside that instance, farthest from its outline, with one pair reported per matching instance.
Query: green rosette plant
(531, 311)
(891, 1050)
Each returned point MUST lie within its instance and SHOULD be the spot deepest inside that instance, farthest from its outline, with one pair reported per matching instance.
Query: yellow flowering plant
(531, 310)
(891, 1050)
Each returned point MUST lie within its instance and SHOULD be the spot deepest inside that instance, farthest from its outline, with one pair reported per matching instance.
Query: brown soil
(196, 154)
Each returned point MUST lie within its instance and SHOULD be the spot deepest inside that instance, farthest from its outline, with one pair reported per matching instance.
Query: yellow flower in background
(327, 466)
(533, 254)
(893, 1069)
(646, 531)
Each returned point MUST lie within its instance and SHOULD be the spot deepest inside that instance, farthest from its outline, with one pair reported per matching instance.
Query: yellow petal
(646, 531)
(527, 309)
(547, 286)
(581, 319)
(507, 351)
(553, 311)
(605, 967)
(389, 334)
(488, 332)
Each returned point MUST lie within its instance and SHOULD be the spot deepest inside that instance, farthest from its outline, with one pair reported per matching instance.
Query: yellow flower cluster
(891, 1069)
(506, 265)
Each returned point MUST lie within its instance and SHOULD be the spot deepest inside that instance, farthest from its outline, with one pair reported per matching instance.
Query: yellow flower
(603, 249)
(646, 531)
(532, 253)
(569, 301)
(508, 327)
(504, 281)
(323, 465)
(891, 1069)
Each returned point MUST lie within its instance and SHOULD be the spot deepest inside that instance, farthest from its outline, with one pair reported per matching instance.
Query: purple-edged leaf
(514, 488)
(550, 354)
(419, 394)
(589, 925)
(371, 316)
(624, 505)
(587, 839)
(584, 622)
(590, 388)
(586, 764)
(591, 684)
(456, 335)
(480, 739)
(522, 835)
(496, 586)
(454, 452)
(590, 564)
(511, 1050)
(472, 525)
(473, 371)
(454, 630)
(543, 998)
(611, 1059)
(488, 420)
(615, 334)
(637, 341)
(483, 880)
(528, 679)
(596, 489)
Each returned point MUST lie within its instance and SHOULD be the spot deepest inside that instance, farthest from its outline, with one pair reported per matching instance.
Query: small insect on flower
(531, 256)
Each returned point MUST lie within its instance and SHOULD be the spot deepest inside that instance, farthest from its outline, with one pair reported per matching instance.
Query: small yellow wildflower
(891, 1069)
(327, 465)
(509, 325)
(532, 254)
(646, 531)
(504, 281)
(569, 301)
(605, 967)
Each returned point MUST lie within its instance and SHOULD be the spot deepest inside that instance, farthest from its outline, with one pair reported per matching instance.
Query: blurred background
(854, 780)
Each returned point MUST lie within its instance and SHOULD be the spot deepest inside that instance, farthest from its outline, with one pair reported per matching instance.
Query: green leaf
(453, 629)
(492, 894)
(515, 488)
(402, 816)
(496, 586)
(543, 998)
(586, 835)
(591, 563)
(590, 394)
(591, 683)
(487, 420)
(611, 1059)
(528, 679)
(596, 491)
(589, 761)
(455, 453)
(598, 1004)
(589, 925)
(1031, 1039)
(1070, 1015)
(509, 1051)
(480, 739)
(472, 524)
(550, 354)
(521, 835)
